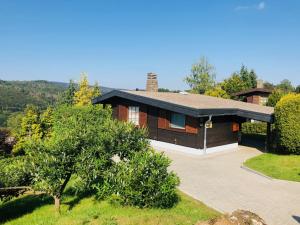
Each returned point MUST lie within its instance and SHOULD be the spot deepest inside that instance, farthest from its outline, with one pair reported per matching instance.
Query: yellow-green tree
(217, 92)
(84, 94)
(96, 90)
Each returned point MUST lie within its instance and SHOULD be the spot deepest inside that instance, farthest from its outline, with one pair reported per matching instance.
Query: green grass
(33, 209)
(285, 167)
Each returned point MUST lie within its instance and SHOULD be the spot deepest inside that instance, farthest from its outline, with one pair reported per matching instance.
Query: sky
(117, 42)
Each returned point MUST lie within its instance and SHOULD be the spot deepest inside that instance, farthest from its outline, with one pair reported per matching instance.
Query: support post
(205, 131)
(268, 138)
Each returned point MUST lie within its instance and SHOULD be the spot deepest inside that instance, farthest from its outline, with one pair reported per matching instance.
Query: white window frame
(134, 115)
(175, 125)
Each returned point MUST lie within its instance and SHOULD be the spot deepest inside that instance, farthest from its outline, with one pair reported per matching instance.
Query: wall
(192, 136)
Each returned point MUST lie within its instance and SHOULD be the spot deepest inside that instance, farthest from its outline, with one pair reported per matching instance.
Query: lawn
(285, 167)
(33, 209)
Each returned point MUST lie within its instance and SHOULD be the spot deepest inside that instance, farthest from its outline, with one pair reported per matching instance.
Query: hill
(15, 95)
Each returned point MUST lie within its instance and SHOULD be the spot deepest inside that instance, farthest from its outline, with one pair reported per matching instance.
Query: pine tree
(84, 94)
(96, 90)
(67, 98)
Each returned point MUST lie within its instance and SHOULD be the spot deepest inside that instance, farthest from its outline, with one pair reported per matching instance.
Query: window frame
(134, 115)
(174, 126)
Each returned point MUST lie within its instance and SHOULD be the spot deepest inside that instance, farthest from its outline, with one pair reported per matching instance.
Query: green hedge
(254, 128)
(287, 123)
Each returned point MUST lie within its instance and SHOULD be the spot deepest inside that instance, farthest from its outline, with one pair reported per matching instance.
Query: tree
(30, 129)
(46, 119)
(96, 90)
(287, 114)
(274, 97)
(249, 78)
(202, 77)
(269, 85)
(233, 84)
(286, 86)
(297, 90)
(217, 92)
(76, 144)
(85, 94)
(67, 97)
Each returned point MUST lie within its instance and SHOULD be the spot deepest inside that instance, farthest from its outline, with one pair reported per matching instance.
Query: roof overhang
(184, 109)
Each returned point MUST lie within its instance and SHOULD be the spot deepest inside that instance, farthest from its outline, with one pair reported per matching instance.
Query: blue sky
(118, 42)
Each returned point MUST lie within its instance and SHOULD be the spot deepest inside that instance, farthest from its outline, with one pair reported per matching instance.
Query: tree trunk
(57, 203)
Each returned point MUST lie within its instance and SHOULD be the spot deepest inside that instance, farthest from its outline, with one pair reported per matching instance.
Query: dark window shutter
(162, 119)
(191, 125)
(143, 116)
(123, 113)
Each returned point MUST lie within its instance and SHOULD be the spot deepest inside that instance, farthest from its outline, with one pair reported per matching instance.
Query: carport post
(205, 131)
(268, 138)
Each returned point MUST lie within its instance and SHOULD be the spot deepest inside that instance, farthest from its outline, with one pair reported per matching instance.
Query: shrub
(287, 123)
(276, 95)
(254, 128)
(142, 181)
(13, 172)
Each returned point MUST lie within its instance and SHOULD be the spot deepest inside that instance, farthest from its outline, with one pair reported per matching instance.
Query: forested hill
(15, 95)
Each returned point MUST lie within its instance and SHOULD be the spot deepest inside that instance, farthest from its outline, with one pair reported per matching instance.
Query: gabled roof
(193, 104)
(253, 90)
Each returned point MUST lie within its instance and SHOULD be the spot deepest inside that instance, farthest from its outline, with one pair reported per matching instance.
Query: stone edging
(255, 172)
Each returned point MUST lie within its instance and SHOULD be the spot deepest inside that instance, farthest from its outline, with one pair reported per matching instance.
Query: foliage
(286, 86)
(233, 84)
(249, 78)
(5, 143)
(297, 90)
(284, 167)
(202, 77)
(217, 92)
(254, 128)
(15, 95)
(67, 97)
(14, 122)
(269, 85)
(287, 114)
(143, 181)
(274, 97)
(13, 172)
(37, 209)
(96, 90)
(84, 94)
(75, 147)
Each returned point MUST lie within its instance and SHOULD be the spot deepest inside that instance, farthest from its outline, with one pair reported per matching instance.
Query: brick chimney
(152, 84)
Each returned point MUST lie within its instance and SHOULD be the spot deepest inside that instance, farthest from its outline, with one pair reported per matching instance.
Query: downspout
(209, 119)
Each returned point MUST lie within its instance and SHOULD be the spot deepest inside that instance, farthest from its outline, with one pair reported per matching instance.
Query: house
(184, 119)
(258, 95)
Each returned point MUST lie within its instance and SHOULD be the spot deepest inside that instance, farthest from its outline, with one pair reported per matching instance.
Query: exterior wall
(157, 121)
(257, 98)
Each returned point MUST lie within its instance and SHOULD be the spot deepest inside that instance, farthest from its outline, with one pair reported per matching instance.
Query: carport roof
(194, 104)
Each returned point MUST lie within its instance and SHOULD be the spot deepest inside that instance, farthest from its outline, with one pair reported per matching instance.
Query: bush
(142, 181)
(287, 123)
(276, 95)
(254, 128)
(13, 172)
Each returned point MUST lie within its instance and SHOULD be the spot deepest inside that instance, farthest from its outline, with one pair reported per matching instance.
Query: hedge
(254, 128)
(287, 123)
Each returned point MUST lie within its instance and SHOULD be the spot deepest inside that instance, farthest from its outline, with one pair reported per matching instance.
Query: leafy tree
(286, 86)
(14, 123)
(84, 95)
(287, 114)
(76, 145)
(217, 92)
(274, 97)
(46, 120)
(297, 90)
(67, 97)
(269, 86)
(96, 90)
(202, 77)
(233, 84)
(30, 129)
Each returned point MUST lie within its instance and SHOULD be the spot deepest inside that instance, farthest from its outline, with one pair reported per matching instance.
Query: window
(133, 114)
(177, 121)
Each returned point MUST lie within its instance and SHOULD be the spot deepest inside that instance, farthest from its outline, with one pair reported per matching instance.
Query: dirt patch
(238, 217)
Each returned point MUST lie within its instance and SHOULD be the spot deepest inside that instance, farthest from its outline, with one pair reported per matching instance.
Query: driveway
(219, 181)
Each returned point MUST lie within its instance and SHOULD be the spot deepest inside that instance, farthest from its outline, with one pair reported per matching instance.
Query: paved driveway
(219, 181)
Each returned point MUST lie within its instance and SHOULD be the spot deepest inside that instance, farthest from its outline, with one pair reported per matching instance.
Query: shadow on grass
(21, 206)
(76, 197)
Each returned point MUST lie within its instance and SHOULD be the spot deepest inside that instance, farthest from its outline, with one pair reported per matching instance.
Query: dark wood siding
(157, 121)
